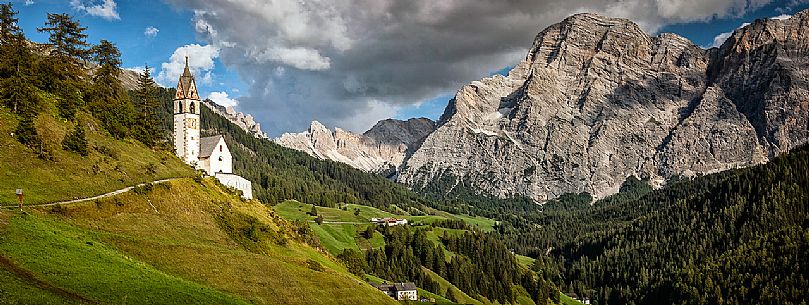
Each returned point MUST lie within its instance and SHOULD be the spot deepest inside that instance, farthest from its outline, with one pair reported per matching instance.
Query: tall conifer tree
(63, 73)
(146, 106)
(17, 91)
(107, 98)
(66, 36)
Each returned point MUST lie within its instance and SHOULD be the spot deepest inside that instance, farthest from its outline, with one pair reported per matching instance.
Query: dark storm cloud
(351, 63)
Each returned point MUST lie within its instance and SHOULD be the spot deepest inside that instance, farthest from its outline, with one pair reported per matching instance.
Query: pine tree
(108, 58)
(107, 99)
(8, 23)
(61, 72)
(16, 86)
(147, 106)
(66, 36)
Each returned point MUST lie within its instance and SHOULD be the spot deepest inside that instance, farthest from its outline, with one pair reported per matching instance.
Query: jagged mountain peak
(382, 149)
(317, 126)
(597, 100)
(395, 132)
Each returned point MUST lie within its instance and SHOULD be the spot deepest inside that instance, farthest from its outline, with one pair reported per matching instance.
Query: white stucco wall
(221, 151)
(186, 137)
(238, 183)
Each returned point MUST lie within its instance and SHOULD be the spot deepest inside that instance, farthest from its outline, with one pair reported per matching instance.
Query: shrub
(315, 265)
(109, 152)
(151, 169)
(143, 189)
(76, 141)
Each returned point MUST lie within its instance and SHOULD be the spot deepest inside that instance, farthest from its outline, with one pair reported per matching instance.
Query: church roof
(207, 146)
(186, 86)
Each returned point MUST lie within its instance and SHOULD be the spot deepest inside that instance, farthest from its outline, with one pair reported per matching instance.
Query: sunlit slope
(63, 175)
(184, 241)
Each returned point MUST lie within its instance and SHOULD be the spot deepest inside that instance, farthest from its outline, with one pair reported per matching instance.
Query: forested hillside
(736, 237)
(280, 173)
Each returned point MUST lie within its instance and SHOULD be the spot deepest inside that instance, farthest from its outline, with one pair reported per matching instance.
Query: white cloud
(28, 2)
(150, 31)
(720, 39)
(301, 58)
(200, 62)
(106, 10)
(138, 69)
(348, 62)
(373, 113)
(782, 17)
(222, 99)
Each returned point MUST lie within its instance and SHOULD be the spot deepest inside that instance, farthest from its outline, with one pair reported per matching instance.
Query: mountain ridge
(597, 100)
(381, 149)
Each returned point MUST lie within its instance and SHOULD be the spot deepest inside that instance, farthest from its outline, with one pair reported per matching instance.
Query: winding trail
(113, 193)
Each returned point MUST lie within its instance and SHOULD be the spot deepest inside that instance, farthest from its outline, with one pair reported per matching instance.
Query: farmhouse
(209, 154)
(400, 291)
(389, 221)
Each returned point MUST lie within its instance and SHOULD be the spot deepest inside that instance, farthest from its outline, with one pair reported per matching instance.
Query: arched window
(191, 108)
(220, 150)
(180, 104)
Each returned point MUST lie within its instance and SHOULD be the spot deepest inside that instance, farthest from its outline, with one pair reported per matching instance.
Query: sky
(350, 63)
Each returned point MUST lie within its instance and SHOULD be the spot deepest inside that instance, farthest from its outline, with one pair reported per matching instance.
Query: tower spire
(186, 71)
(186, 86)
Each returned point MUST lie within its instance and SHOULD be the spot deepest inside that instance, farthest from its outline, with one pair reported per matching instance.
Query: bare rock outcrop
(597, 100)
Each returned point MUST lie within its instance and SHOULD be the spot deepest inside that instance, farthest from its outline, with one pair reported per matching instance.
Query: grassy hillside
(111, 164)
(178, 242)
(341, 229)
(341, 226)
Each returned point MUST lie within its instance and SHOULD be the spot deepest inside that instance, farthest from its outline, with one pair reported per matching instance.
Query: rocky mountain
(382, 149)
(244, 121)
(597, 100)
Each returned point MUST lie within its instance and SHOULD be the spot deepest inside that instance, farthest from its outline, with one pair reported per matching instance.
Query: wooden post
(19, 197)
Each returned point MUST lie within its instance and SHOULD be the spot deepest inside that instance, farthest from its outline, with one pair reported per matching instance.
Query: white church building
(210, 154)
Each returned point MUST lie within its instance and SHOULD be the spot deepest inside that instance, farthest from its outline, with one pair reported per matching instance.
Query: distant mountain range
(597, 100)
(382, 149)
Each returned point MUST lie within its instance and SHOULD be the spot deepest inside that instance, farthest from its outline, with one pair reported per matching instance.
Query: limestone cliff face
(597, 100)
(380, 150)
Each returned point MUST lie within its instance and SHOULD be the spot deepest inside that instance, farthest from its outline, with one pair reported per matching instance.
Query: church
(209, 154)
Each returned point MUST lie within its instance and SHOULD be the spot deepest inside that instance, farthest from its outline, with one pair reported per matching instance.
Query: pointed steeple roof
(186, 86)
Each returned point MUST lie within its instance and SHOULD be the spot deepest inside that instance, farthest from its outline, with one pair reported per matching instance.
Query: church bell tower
(186, 118)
